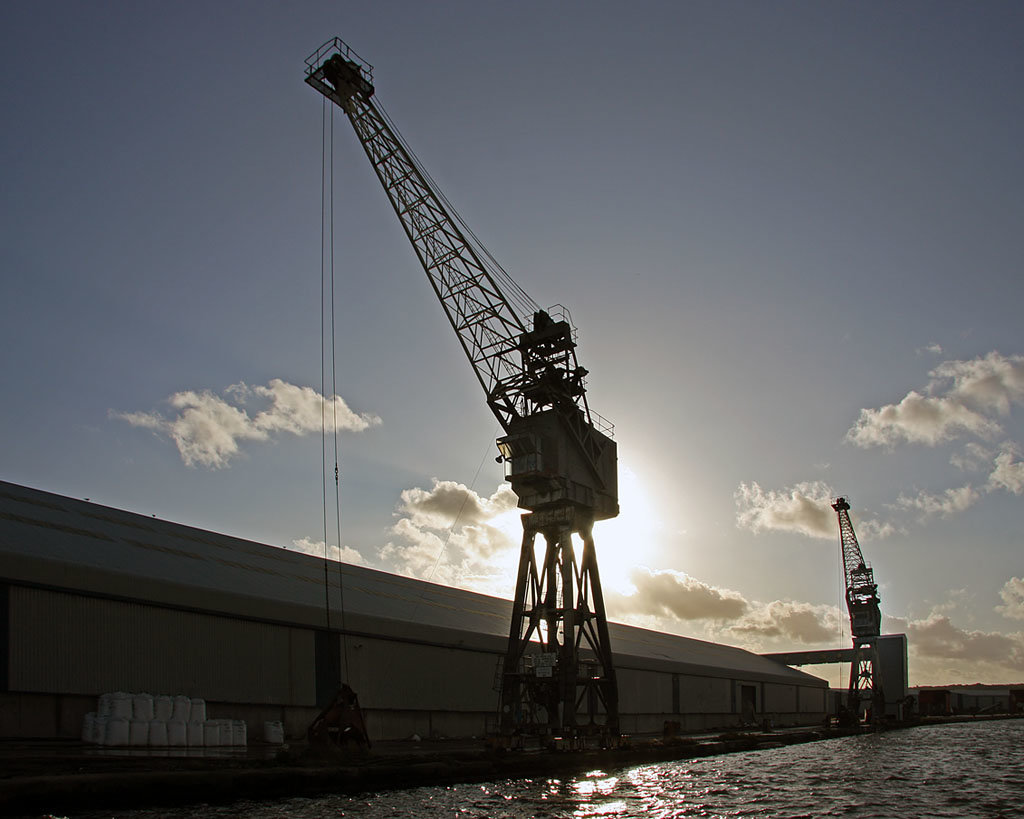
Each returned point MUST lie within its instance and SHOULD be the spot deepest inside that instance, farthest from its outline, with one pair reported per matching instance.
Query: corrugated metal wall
(395, 675)
(780, 698)
(5, 631)
(65, 643)
(704, 695)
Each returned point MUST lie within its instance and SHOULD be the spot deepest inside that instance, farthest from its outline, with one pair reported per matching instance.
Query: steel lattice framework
(865, 620)
(559, 462)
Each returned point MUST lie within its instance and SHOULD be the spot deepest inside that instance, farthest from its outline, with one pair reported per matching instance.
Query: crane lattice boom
(485, 322)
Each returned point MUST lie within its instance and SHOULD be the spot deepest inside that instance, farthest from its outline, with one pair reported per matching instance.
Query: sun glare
(631, 539)
(622, 544)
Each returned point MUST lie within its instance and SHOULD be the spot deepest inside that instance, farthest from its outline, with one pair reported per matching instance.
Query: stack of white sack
(145, 721)
(273, 732)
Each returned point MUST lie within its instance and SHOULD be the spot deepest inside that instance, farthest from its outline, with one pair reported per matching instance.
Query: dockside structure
(95, 599)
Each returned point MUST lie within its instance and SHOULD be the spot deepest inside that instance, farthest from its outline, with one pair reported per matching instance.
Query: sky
(789, 234)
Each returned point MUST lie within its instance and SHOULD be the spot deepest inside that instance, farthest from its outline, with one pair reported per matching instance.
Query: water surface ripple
(958, 770)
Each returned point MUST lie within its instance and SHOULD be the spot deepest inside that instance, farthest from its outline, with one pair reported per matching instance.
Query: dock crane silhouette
(865, 690)
(557, 676)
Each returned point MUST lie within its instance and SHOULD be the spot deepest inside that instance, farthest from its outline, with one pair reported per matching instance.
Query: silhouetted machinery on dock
(862, 601)
(340, 722)
(557, 676)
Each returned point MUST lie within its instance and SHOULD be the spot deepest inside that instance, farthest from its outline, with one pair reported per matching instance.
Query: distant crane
(558, 455)
(865, 622)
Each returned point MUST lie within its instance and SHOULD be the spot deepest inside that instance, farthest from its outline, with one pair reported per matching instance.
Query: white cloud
(316, 548)
(947, 503)
(675, 595)
(450, 534)
(207, 428)
(804, 508)
(991, 383)
(447, 503)
(1012, 593)
(961, 397)
(918, 419)
(874, 529)
(1008, 473)
(302, 409)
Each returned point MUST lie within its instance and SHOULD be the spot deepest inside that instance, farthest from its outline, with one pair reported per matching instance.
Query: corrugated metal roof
(69, 537)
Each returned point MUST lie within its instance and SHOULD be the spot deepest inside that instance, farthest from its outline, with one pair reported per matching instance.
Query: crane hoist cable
(323, 389)
(839, 611)
(334, 408)
(327, 251)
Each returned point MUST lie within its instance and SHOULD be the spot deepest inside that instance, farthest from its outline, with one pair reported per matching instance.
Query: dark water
(964, 770)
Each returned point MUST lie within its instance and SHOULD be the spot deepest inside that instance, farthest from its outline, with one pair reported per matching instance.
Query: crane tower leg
(557, 615)
(604, 688)
(865, 686)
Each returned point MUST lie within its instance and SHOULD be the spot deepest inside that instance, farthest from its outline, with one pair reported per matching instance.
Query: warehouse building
(96, 600)
(968, 699)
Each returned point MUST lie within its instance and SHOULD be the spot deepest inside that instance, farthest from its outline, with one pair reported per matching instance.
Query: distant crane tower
(865, 621)
(558, 455)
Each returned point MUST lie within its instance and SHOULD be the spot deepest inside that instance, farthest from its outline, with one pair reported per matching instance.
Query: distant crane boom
(862, 603)
(861, 590)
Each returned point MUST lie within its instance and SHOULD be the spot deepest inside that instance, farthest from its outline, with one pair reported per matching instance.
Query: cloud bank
(943, 652)
(450, 534)
(208, 428)
(453, 535)
(790, 622)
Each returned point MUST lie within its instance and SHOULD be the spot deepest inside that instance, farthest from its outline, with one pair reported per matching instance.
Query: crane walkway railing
(336, 46)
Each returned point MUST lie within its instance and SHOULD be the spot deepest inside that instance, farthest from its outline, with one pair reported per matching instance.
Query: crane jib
(524, 371)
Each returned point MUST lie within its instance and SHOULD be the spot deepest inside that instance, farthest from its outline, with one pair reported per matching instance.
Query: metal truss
(558, 608)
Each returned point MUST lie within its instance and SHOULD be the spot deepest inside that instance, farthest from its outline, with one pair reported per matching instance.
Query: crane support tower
(865, 622)
(557, 676)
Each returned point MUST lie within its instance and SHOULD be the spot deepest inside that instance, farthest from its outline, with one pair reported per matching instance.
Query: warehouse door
(748, 702)
(328, 666)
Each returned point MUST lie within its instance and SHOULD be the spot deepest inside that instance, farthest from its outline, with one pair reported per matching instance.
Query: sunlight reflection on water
(962, 771)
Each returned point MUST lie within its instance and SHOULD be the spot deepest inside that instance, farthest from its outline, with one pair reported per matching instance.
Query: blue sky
(789, 234)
